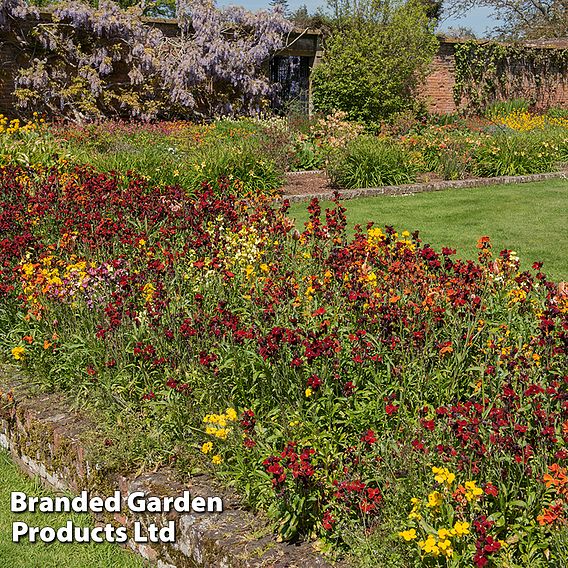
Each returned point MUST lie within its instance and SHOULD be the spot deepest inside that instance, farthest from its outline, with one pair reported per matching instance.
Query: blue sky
(478, 19)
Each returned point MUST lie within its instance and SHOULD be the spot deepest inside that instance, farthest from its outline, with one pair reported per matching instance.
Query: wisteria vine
(85, 62)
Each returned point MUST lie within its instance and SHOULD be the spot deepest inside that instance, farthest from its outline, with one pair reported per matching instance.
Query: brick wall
(438, 86)
(437, 89)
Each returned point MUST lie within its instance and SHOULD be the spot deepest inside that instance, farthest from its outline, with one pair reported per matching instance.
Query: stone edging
(303, 172)
(46, 439)
(409, 189)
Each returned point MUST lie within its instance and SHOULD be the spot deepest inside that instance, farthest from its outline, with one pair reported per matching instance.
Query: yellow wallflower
(408, 535)
(472, 491)
(309, 392)
(221, 433)
(443, 534)
(231, 414)
(207, 447)
(445, 547)
(216, 459)
(443, 475)
(434, 499)
(461, 529)
(18, 352)
(148, 291)
(429, 546)
(416, 504)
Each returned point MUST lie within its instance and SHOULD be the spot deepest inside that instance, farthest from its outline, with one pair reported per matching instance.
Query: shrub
(371, 162)
(28, 143)
(501, 108)
(373, 64)
(557, 112)
(182, 153)
(241, 163)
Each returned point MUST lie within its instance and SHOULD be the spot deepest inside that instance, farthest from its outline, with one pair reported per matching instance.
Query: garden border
(45, 438)
(409, 189)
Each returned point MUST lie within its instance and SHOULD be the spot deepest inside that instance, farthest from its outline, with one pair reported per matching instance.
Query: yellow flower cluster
(216, 424)
(443, 475)
(14, 126)
(18, 352)
(415, 512)
(148, 291)
(472, 491)
(435, 547)
(435, 500)
(206, 448)
(54, 277)
(243, 249)
(375, 236)
(439, 543)
(524, 121)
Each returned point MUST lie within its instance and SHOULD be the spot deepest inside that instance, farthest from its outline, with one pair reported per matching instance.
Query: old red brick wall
(437, 90)
(439, 84)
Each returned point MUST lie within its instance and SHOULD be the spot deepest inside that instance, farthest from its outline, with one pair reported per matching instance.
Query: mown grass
(530, 218)
(54, 555)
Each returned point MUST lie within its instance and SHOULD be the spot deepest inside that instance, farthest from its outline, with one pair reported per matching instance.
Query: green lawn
(55, 555)
(530, 218)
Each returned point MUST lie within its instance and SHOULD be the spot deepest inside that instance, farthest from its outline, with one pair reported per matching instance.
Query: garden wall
(438, 90)
(545, 88)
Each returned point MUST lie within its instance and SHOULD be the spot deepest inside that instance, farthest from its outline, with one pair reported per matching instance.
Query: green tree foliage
(375, 59)
(521, 19)
(281, 5)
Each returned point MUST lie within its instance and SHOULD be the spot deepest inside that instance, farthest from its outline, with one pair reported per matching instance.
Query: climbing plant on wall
(84, 62)
(489, 72)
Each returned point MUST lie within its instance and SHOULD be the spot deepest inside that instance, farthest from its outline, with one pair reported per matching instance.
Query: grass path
(529, 218)
(55, 555)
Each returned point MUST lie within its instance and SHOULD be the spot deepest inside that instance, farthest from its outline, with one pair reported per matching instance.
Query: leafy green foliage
(373, 64)
(486, 73)
(371, 162)
(515, 154)
(500, 108)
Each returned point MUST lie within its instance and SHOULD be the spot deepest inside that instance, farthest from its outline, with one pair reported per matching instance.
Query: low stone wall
(46, 439)
(409, 189)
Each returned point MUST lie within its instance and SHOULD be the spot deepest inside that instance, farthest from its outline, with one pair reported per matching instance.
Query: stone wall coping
(409, 189)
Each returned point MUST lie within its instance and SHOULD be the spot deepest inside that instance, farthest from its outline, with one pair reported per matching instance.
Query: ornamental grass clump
(369, 161)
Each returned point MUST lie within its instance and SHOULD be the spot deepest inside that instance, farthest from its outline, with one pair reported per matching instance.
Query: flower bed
(257, 152)
(368, 390)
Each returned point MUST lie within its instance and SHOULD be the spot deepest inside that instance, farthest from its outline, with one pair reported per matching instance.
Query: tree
(522, 19)
(281, 5)
(375, 58)
(317, 20)
(461, 32)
